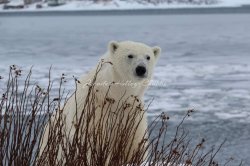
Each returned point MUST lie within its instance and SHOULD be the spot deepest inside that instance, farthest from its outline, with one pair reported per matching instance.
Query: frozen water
(205, 63)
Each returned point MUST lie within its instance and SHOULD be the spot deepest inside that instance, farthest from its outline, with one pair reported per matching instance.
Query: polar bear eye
(148, 57)
(130, 56)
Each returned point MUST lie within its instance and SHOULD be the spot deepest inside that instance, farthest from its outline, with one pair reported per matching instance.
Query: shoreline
(169, 11)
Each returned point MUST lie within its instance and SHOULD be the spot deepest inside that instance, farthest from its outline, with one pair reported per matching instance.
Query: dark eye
(148, 57)
(130, 56)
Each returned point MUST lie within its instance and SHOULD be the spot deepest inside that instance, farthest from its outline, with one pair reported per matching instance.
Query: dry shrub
(26, 111)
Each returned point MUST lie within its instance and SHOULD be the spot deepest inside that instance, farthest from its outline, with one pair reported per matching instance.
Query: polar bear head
(132, 60)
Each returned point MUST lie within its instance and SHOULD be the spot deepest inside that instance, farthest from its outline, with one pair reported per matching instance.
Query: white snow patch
(120, 5)
(234, 2)
(231, 115)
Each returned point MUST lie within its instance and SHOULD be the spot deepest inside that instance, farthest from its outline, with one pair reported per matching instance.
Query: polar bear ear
(156, 51)
(113, 45)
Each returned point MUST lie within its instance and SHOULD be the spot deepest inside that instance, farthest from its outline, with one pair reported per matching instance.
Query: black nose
(140, 70)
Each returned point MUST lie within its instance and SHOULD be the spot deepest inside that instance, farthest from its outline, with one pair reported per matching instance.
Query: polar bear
(129, 68)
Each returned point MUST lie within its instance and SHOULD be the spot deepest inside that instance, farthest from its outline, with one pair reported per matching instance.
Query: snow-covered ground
(120, 5)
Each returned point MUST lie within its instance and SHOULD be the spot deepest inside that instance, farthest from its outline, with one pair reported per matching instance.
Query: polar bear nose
(140, 70)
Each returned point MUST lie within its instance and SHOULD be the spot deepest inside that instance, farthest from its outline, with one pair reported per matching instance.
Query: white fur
(122, 73)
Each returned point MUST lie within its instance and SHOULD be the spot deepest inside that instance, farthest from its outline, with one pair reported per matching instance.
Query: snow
(121, 5)
(234, 2)
(232, 115)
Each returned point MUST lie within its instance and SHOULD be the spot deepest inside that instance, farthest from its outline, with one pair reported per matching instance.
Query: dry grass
(26, 111)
